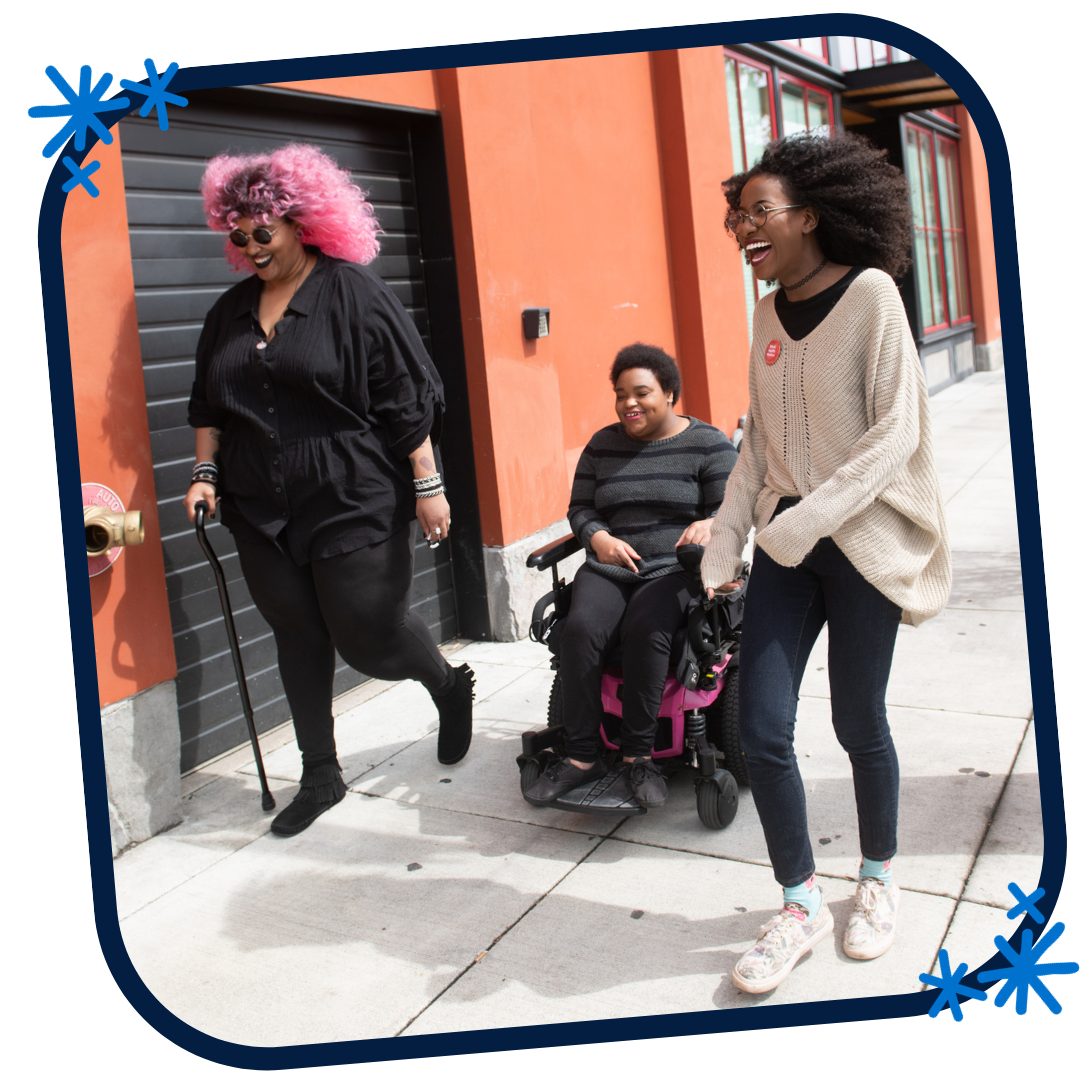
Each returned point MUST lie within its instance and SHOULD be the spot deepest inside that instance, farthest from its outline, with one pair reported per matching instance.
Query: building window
(816, 46)
(856, 53)
(805, 107)
(941, 280)
(754, 123)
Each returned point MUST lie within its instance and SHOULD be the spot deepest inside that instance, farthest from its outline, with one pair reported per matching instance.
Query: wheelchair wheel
(722, 727)
(555, 701)
(718, 801)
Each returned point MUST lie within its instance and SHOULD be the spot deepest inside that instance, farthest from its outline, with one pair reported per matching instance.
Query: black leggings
(357, 603)
(644, 616)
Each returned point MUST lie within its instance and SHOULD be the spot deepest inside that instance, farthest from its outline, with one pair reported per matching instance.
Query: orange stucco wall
(577, 185)
(559, 165)
(980, 232)
(132, 634)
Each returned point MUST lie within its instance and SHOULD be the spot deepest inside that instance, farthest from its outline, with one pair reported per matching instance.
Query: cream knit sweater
(842, 419)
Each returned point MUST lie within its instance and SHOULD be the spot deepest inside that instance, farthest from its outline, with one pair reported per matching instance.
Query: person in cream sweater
(836, 474)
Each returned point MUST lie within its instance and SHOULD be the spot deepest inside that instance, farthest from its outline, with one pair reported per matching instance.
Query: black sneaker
(561, 776)
(647, 782)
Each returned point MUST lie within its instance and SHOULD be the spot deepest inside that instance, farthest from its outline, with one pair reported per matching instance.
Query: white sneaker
(872, 927)
(784, 939)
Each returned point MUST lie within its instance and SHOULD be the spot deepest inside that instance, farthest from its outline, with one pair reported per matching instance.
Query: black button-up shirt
(317, 423)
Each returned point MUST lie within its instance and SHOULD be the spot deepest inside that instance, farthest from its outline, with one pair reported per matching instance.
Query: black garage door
(179, 272)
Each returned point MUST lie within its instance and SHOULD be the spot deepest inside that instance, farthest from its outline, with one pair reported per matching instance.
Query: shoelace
(783, 929)
(866, 899)
(641, 770)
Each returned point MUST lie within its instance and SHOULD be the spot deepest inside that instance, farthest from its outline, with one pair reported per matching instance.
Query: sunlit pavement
(434, 899)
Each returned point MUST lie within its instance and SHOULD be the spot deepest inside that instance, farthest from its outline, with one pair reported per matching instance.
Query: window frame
(807, 85)
(822, 57)
(957, 214)
(873, 60)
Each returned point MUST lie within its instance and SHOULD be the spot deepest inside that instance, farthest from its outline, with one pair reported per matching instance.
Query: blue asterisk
(1023, 970)
(81, 176)
(949, 985)
(156, 95)
(1027, 903)
(82, 107)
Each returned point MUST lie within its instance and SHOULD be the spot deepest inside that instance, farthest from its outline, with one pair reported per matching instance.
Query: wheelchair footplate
(610, 794)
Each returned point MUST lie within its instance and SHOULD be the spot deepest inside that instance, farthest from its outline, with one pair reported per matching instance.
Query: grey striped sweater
(646, 493)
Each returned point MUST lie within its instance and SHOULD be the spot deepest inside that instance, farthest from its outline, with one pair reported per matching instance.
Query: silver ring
(437, 530)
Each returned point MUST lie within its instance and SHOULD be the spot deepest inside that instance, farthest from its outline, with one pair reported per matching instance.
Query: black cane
(201, 509)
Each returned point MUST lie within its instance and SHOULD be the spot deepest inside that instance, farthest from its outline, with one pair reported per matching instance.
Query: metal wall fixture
(536, 322)
(109, 527)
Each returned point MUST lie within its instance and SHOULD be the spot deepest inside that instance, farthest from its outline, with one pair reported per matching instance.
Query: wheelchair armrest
(552, 553)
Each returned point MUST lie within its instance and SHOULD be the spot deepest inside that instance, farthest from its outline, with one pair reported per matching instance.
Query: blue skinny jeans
(786, 608)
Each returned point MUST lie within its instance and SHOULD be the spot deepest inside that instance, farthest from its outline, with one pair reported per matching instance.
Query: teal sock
(880, 870)
(808, 894)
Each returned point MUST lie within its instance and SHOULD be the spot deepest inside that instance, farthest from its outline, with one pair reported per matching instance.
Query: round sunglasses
(261, 234)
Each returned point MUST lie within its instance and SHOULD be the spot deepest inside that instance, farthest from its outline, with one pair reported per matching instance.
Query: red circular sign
(772, 352)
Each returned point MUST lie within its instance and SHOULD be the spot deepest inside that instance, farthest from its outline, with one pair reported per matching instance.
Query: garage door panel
(169, 379)
(211, 638)
(168, 342)
(180, 270)
(160, 173)
(185, 140)
(161, 305)
(208, 271)
(167, 414)
(165, 208)
(178, 243)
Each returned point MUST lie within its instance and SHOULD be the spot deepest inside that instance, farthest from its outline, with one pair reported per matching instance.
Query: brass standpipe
(107, 529)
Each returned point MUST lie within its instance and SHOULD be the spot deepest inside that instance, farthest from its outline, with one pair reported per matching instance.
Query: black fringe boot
(455, 716)
(321, 787)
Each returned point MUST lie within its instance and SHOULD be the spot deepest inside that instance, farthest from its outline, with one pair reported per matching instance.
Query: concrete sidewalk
(435, 899)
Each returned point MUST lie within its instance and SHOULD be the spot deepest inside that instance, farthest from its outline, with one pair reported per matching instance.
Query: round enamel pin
(772, 352)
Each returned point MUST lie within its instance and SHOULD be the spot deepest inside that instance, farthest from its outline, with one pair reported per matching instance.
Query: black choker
(799, 284)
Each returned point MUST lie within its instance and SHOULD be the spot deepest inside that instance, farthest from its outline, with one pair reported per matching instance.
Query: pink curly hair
(298, 182)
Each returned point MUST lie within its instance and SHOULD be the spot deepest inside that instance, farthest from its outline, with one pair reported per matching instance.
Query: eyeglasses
(261, 235)
(757, 215)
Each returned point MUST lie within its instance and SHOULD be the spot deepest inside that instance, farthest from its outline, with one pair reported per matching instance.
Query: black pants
(786, 607)
(357, 603)
(644, 616)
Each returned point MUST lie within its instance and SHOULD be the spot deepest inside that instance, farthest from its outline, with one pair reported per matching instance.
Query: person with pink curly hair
(315, 408)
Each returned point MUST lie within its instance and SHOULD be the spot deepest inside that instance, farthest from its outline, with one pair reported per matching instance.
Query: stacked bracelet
(206, 472)
(429, 486)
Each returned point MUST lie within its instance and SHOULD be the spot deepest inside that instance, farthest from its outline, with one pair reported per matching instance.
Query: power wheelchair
(699, 712)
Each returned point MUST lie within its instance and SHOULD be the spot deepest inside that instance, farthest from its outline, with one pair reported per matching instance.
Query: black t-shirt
(316, 424)
(800, 317)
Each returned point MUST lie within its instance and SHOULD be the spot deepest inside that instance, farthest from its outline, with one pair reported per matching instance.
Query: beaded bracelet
(206, 471)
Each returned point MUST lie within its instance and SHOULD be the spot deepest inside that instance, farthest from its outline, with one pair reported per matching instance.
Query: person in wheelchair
(643, 487)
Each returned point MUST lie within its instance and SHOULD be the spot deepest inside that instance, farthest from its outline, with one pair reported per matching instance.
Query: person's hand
(200, 491)
(434, 517)
(613, 552)
(697, 532)
(723, 590)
